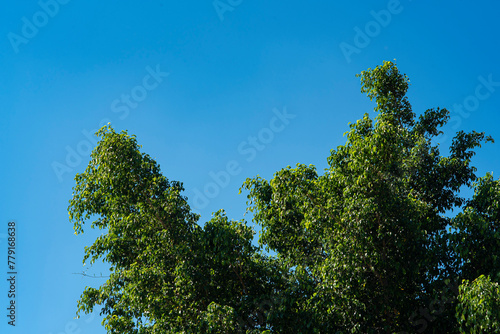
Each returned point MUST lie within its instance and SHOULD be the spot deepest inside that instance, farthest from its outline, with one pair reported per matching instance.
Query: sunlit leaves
(360, 247)
(367, 240)
(478, 310)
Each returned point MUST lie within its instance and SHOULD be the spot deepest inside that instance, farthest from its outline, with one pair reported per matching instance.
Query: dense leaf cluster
(365, 247)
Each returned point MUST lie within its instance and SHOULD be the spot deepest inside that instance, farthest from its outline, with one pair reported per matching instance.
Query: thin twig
(85, 275)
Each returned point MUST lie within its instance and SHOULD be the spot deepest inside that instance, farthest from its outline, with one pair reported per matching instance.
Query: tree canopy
(366, 246)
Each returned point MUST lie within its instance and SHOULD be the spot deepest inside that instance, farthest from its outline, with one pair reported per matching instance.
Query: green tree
(477, 240)
(478, 309)
(168, 275)
(365, 247)
(477, 250)
(369, 237)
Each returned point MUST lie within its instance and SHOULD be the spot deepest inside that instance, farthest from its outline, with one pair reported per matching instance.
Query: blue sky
(216, 92)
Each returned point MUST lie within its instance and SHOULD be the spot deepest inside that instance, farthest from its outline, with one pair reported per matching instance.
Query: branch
(241, 280)
(85, 275)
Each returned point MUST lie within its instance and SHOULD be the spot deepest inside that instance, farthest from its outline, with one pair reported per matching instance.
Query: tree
(478, 311)
(366, 247)
(477, 239)
(168, 275)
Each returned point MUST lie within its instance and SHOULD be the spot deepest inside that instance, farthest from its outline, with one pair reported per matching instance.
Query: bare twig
(85, 275)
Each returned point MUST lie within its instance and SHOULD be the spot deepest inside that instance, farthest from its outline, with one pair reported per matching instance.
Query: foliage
(478, 310)
(365, 247)
(477, 241)
(168, 275)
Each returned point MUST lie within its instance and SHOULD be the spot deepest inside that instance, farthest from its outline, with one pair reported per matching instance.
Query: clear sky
(216, 92)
